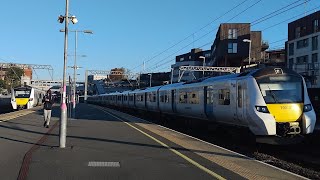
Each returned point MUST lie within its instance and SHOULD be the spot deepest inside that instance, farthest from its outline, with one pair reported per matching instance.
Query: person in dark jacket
(47, 107)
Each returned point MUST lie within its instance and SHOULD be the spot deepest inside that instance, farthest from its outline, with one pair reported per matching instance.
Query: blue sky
(127, 32)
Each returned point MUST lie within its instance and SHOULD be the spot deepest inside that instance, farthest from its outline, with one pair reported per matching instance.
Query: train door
(208, 102)
(173, 100)
(241, 99)
(145, 100)
(158, 100)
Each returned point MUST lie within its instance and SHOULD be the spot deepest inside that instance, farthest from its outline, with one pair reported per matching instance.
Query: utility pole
(171, 74)
(63, 117)
(74, 76)
(86, 85)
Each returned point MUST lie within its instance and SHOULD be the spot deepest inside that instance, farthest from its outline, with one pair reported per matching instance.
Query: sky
(127, 33)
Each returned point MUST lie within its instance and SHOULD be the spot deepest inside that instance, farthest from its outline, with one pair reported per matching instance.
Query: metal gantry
(182, 69)
(104, 72)
(27, 66)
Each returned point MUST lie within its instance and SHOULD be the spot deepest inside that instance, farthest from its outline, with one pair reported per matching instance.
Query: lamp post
(85, 85)
(204, 61)
(171, 74)
(150, 78)
(248, 41)
(63, 117)
(75, 65)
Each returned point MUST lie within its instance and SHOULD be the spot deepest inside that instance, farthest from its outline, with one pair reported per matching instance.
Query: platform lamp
(204, 62)
(63, 117)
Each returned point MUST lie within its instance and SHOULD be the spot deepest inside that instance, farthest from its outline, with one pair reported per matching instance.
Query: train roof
(257, 73)
(273, 71)
(22, 88)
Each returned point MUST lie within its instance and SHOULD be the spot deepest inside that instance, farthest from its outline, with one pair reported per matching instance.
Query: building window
(315, 43)
(291, 49)
(182, 58)
(232, 34)
(232, 47)
(291, 63)
(315, 57)
(189, 57)
(316, 25)
(303, 31)
(302, 43)
(302, 59)
(298, 32)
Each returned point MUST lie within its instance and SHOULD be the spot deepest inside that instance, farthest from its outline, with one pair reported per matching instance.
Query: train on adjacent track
(26, 97)
(271, 102)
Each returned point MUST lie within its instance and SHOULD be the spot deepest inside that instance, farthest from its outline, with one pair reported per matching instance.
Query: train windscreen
(22, 93)
(281, 89)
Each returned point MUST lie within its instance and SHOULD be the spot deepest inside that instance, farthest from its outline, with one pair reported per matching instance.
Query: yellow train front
(283, 105)
(26, 97)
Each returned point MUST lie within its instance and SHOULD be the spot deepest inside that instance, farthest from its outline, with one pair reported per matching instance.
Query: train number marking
(285, 107)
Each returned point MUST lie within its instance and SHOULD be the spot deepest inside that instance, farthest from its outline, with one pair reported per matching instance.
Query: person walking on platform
(47, 107)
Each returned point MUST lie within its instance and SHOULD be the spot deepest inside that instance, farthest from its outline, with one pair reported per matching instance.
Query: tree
(13, 77)
(2, 85)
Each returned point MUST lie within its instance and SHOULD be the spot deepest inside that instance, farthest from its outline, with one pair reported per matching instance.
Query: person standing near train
(47, 108)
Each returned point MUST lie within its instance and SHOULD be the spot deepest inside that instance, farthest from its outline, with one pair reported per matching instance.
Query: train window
(154, 97)
(193, 97)
(281, 89)
(161, 98)
(151, 97)
(182, 97)
(224, 97)
(166, 98)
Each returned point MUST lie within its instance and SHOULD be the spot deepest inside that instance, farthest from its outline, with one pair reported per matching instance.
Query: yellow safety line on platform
(7, 117)
(168, 147)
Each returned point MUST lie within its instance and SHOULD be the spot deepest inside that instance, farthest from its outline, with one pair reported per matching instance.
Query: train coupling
(294, 128)
(288, 128)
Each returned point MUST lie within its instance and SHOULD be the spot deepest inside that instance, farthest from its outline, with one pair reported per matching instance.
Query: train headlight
(307, 107)
(31, 99)
(13, 100)
(262, 109)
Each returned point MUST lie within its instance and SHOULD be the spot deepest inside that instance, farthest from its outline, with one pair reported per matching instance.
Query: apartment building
(303, 48)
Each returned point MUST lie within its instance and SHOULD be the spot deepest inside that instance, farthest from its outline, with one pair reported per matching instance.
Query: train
(26, 97)
(272, 102)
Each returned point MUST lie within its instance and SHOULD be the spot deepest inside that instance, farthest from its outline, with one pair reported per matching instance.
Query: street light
(204, 61)
(77, 55)
(248, 41)
(150, 78)
(63, 117)
(75, 67)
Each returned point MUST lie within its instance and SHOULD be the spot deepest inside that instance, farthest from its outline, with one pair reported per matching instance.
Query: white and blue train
(273, 103)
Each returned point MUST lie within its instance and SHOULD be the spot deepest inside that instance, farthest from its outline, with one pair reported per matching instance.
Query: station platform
(106, 144)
